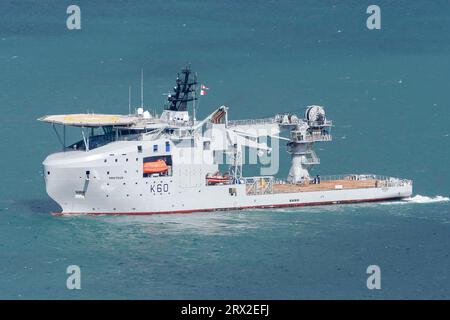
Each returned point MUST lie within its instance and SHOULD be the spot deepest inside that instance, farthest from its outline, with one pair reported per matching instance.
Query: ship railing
(281, 121)
(298, 136)
(259, 185)
(324, 123)
(383, 181)
(295, 121)
(246, 122)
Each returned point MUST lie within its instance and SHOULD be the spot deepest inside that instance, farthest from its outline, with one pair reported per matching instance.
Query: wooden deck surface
(324, 185)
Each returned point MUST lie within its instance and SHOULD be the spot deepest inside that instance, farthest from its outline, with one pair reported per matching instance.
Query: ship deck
(326, 185)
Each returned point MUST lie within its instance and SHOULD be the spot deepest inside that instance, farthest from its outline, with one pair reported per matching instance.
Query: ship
(148, 163)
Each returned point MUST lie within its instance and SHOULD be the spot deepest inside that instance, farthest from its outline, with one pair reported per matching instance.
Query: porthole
(115, 160)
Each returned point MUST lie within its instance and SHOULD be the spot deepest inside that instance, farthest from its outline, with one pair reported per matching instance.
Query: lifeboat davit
(158, 166)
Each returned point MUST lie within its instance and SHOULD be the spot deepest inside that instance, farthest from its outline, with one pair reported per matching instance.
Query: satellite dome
(146, 115)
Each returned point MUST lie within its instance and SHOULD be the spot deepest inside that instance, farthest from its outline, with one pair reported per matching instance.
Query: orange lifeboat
(217, 178)
(157, 166)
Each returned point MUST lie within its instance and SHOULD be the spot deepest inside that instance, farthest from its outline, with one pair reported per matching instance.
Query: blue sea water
(386, 90)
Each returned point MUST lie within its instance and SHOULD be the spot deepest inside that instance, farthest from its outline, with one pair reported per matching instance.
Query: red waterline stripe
(232, 208)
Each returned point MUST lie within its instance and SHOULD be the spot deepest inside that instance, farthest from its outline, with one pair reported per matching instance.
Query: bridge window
(167, 146)
(155, 148)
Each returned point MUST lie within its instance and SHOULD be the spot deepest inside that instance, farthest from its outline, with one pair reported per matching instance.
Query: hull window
(79, 194)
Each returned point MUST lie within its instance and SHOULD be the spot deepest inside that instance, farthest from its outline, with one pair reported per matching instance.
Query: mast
(129, 100)
(184, 91)
(195, 98)
(142, 88)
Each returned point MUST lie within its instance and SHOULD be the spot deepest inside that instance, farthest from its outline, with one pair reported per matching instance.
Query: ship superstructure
(144, 163)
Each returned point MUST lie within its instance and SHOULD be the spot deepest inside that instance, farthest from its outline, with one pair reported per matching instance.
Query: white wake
(424, 199)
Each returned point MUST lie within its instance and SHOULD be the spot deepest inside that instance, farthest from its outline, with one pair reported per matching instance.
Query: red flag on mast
(203, 89)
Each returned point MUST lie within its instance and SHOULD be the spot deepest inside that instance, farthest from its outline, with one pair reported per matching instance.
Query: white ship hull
(210, 201)
(119, 188)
